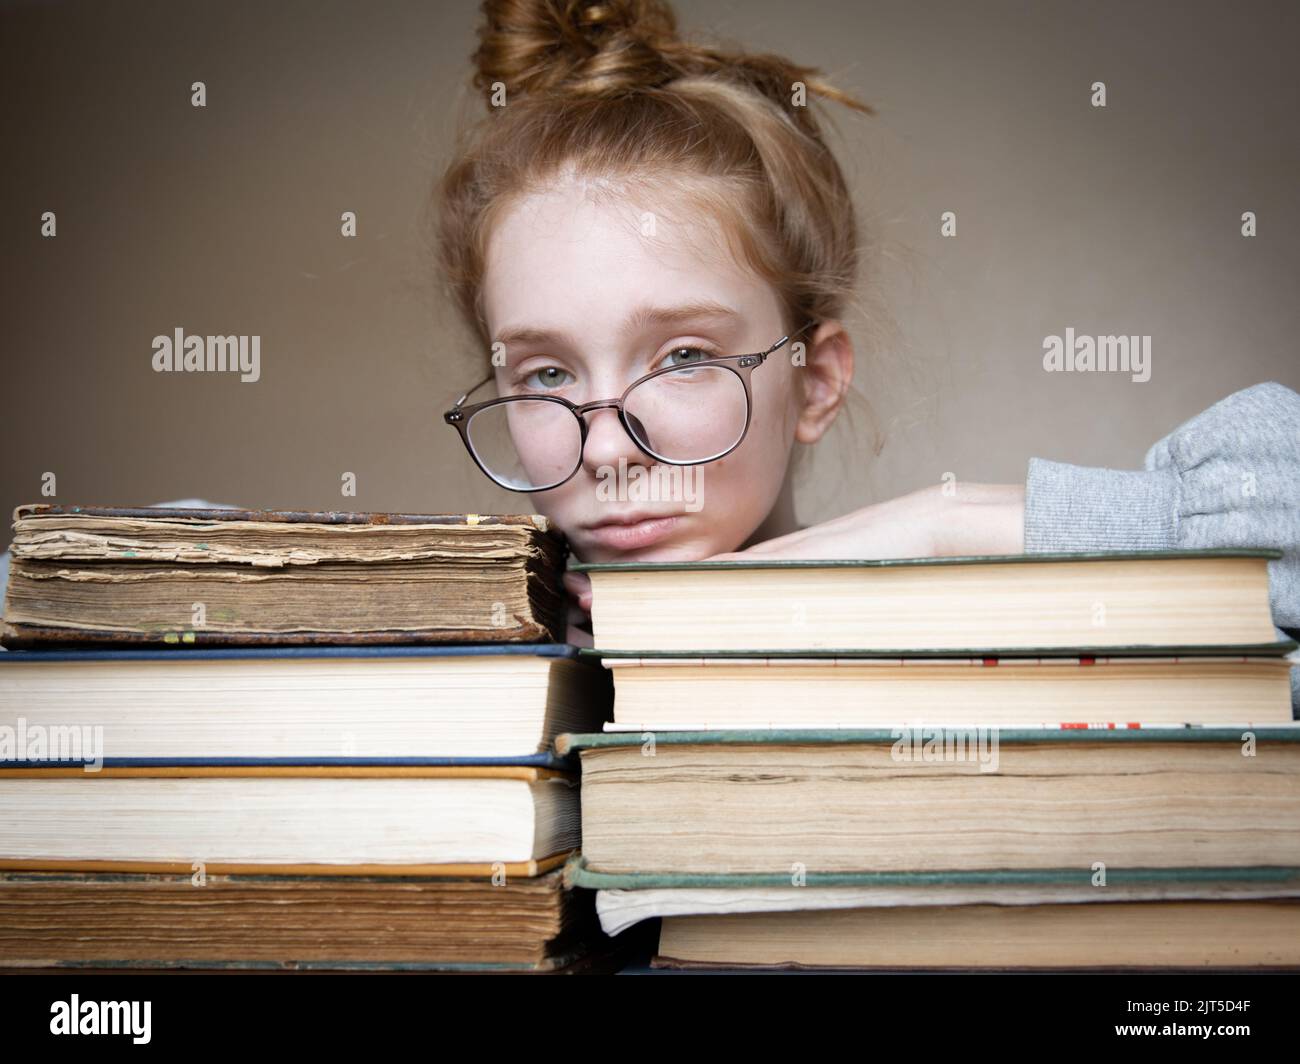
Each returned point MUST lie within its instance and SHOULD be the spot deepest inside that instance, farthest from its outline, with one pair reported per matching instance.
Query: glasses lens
(549, 443)
(689, 415)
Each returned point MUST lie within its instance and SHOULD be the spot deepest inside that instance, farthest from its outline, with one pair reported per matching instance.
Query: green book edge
(1278, 649)
(882, 563)
(847, 736)
(577, 874)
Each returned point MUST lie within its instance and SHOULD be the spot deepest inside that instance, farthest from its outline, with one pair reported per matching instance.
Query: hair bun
(588, 47)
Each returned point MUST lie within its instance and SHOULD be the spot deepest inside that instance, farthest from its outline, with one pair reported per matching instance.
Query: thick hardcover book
(1029, 604)
(499, 703)
(180, 577)
(664, 693)
(1248, 933)
(449, 820)
(621, 907)
(148, 920)
(1035, 918)
(930, 799)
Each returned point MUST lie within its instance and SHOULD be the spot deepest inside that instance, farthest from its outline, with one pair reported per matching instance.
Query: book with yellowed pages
(304, 705)
(1190, 602)
(277, 922)
(1059, 918)
(624, 901)
(450, 820)
(1261, 933)
(665, 693)
(812, 802)
(177, 576)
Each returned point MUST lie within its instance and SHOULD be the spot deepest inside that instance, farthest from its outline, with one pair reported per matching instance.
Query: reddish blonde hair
(609, 90)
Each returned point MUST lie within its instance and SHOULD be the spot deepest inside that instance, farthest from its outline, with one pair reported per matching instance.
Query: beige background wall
(225, 220)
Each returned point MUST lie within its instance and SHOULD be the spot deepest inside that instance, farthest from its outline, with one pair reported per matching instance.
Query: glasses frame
(459, 416)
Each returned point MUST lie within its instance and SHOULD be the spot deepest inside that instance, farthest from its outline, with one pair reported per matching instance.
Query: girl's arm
(1229, 477)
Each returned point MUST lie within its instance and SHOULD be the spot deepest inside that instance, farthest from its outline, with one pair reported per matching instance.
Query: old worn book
(1197, 601)
(341, 820)
(1255, 933)
(624, 901)
(308, 705)
(807, 803)
(666, 693)
(87, 574)
(143, 920)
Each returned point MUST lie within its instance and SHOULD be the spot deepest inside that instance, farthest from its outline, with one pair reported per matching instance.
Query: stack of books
(1049, 761)
(290, 739)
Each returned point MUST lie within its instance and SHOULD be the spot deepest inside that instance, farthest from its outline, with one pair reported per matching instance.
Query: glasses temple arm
(785, 339)
(460, 402)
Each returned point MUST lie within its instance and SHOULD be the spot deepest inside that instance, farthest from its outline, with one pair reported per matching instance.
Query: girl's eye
(547, 378)
(686, 356)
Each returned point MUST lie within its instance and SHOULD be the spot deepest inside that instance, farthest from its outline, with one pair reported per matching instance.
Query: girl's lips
(634, 536)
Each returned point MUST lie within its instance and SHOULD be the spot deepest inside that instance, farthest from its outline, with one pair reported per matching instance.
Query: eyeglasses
(685, 414)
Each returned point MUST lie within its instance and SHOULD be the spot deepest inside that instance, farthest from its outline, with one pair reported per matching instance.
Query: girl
(657, 247)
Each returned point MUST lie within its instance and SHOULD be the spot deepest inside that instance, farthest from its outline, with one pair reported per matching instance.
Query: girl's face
(588, 293)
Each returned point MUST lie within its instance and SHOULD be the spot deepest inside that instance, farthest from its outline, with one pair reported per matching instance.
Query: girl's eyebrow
(638, 319)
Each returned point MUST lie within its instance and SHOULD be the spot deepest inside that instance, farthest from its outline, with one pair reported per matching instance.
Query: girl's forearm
(973, 519)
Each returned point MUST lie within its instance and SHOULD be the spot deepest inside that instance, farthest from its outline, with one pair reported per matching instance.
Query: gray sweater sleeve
(1229, 477)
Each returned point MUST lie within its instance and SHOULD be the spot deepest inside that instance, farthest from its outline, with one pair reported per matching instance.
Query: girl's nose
(608, 441)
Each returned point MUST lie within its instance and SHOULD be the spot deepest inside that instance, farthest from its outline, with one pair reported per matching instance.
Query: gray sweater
(1229, 477)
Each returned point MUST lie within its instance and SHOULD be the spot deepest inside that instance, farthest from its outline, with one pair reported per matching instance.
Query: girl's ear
(828, 374)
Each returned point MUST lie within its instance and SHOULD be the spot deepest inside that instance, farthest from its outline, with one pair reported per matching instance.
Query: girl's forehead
(582, 258)
(567, 235)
